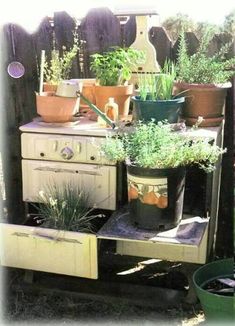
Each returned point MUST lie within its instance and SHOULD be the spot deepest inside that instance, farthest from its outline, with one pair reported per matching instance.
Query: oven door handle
(60, 170)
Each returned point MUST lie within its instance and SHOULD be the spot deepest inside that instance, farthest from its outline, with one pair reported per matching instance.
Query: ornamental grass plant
(66, 207)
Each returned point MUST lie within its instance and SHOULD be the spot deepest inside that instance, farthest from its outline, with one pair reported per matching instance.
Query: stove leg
(29, 276)
(188, 269)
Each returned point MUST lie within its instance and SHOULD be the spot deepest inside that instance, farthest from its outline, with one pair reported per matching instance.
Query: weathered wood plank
(64, 27)
(129, 32)
(192, 42)
(101, 30)
(162, 43)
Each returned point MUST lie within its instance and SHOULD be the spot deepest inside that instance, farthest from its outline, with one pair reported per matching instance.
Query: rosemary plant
(199, 68)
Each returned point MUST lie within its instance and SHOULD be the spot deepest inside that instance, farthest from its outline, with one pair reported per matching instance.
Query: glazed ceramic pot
(158, 110)
(205, 100)
(155, 197)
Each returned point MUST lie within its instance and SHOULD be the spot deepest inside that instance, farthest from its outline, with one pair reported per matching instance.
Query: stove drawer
(49, 250)
(98, 180)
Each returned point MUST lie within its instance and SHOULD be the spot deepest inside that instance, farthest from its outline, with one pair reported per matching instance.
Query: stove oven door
(98, 180)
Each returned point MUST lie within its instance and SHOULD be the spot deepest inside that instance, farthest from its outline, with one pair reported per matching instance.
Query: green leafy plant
(114, 67)
(157, 86)
(199, 68)
(65, 207)
(59, 66)
(153, 145)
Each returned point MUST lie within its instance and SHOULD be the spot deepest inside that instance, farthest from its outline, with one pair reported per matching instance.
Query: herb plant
(65, 207)
(157, 86)
(114, 67)
(153, 145)
(199, 68)
(59, 67)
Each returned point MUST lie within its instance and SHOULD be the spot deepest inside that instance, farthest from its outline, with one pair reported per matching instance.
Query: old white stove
(58, 153)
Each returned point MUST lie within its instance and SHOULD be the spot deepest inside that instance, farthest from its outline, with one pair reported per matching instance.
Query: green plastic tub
(216, 307)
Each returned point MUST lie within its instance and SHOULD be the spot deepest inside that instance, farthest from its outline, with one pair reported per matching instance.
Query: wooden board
(185, 243)
(48, 250)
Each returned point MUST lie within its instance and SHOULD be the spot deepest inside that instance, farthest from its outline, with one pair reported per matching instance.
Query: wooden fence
(100, 29)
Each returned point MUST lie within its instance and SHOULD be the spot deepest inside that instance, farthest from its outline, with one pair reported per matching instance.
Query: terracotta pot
(205, 100)
(121, 95)
(88, 90)
(49, 87)
(54, 108)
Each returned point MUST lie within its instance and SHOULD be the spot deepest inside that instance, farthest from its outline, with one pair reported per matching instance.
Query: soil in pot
(158, 110)
(155, 197)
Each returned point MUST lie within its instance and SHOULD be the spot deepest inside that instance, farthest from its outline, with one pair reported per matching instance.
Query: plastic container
(158, 110)
(217, 307)
(68, 88)
(155, 197)
(111, 109)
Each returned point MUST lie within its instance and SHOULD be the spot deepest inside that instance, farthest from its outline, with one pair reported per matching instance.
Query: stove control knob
(66, 153)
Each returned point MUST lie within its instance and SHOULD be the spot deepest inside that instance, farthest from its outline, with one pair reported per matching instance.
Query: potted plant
(156, 158)
(156, 99)
(58, 238)
(113, 71)
(205, 81)
(59, 66)
(58, 102)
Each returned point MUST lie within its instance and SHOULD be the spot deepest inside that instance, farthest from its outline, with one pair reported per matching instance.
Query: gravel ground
(21, 308)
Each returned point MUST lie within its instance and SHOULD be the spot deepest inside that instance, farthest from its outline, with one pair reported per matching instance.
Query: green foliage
(59, 67)
(157, 86)
(175, 24)
(229, 23)
(114, 67)
(157, 146)
(65, 208)
(200, 68)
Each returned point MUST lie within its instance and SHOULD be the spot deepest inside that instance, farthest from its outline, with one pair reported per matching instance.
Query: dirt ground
(21, 307)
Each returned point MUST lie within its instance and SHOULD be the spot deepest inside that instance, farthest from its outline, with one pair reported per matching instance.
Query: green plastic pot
(216, 307)
(158, 110)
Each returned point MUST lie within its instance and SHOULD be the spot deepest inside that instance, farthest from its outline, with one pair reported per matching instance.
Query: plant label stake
(15, 69)
(41, 71)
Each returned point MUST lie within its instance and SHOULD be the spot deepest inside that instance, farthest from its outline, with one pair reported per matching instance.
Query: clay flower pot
(54, 108)
(88, 90)
(205, 100)
(49, 87)
(121, 95)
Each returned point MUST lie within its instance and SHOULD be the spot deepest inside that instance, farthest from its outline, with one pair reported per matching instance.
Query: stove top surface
(79, 126)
